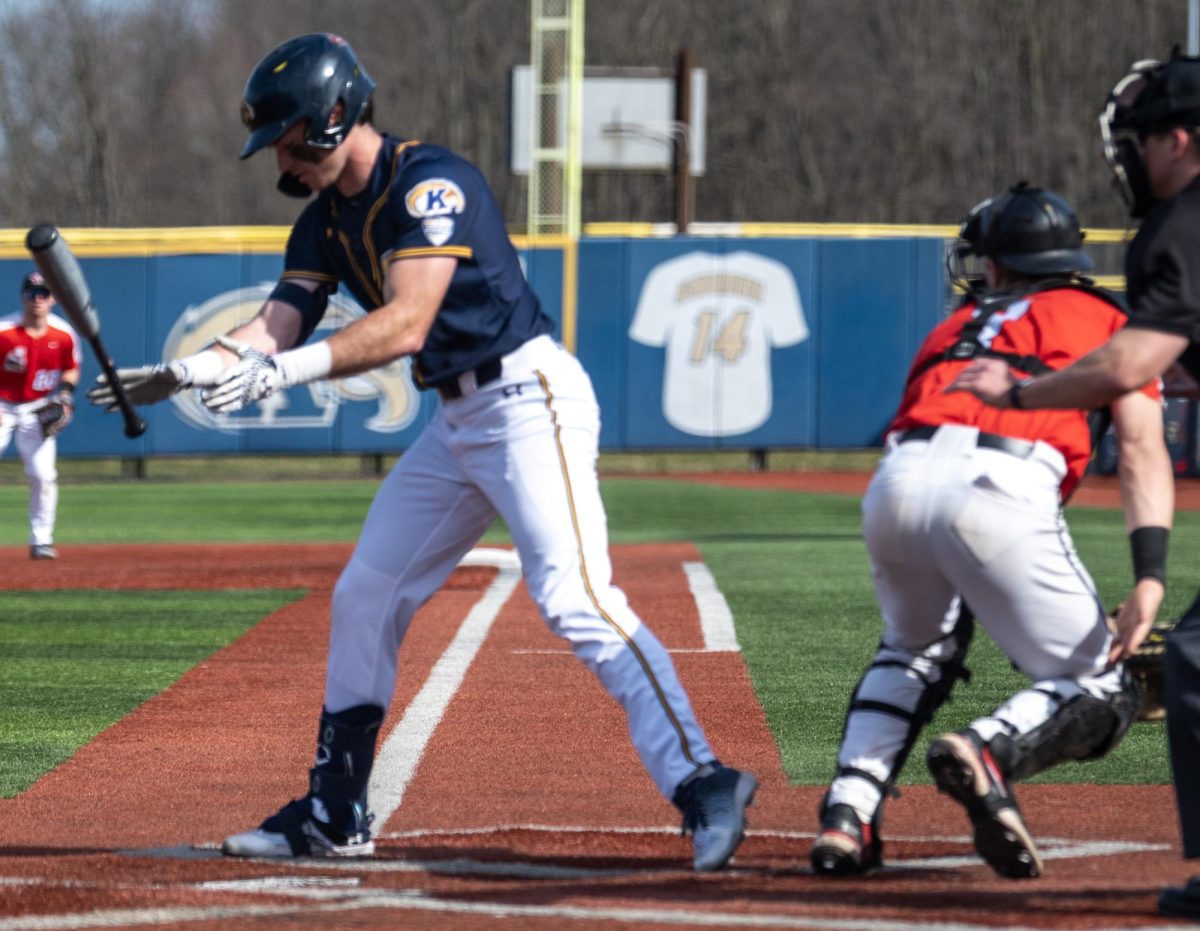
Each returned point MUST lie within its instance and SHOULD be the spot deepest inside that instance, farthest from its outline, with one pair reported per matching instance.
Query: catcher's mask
(305, 78)
(1028, 230)
(1153, 97)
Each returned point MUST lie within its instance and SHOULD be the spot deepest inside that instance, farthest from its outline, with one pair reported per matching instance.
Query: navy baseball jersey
(423, 200)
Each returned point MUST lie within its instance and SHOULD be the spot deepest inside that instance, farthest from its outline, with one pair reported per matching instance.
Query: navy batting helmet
(305, 78)
(1027, 230)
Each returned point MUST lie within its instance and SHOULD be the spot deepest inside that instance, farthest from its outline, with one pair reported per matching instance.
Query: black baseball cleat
(963, 768)
(846, 846)
(303, 828)
(42, 551)
(1181, 901)
(714, 811)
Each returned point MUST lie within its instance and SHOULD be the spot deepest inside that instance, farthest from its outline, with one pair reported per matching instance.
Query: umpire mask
(1118, 134)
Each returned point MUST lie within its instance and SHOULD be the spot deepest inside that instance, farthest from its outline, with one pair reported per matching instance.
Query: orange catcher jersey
(30, 368)
(1057, 326)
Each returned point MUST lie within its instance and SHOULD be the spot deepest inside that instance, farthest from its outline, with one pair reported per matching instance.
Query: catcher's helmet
(1027, 230)
(305, 78)
(1153, 97)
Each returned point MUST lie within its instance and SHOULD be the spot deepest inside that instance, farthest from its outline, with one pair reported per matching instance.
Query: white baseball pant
(944, 518)
(523, 447)
(39, 456)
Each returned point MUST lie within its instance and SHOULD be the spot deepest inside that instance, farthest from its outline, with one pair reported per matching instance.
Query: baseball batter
(963, 516)
(39, 370)
(413, 232)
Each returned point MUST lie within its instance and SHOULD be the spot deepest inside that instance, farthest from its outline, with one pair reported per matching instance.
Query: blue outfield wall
(692, 343)
(865, 306)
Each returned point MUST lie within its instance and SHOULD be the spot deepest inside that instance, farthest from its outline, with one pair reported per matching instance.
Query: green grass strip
(793, 567)
(72, 663)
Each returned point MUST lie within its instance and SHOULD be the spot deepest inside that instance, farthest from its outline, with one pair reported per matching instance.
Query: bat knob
(41, 237)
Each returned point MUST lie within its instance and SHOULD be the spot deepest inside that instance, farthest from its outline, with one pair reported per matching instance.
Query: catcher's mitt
(1146, 667)
(55, 416)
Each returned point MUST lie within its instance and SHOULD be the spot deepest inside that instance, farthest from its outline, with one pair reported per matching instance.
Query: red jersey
(1057, 326)
(30, 368)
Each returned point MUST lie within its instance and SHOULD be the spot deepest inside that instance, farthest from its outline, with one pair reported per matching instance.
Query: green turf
(792, 566)
(72, 663)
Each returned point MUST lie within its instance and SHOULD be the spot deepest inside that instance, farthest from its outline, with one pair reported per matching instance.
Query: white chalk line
(396, 761)
(716, 620)
(1051, 848)
(311, 903)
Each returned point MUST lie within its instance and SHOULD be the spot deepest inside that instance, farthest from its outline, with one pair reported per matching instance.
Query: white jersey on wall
(718, 317)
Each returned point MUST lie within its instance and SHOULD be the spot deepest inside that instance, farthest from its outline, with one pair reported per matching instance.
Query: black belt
(487, 372)
(1022, 449)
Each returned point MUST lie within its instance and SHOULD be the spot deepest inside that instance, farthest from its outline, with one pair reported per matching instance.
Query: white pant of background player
(38, 453)
(524, 447)
(943, 518)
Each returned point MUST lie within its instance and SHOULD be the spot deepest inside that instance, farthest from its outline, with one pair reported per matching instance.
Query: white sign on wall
(628, 120)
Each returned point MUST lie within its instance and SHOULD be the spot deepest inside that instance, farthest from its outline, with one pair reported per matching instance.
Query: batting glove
(253, 378)
(146, 385)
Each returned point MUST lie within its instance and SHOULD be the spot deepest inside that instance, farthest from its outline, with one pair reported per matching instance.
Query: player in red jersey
(39, 369)
(963, 519)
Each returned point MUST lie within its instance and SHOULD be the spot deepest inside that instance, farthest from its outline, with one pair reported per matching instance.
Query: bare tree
(859, 111)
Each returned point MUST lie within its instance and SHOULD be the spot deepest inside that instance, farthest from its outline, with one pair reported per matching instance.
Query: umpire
(1150, 127)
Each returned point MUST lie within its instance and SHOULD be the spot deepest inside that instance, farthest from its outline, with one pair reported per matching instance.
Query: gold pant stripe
(587, 584)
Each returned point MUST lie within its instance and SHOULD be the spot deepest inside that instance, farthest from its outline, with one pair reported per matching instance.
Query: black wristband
(1149, 548)
(1014, 396)
(67, 386)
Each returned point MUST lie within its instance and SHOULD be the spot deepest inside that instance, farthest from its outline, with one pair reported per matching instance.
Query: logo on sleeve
(436, 197)
(438, 230)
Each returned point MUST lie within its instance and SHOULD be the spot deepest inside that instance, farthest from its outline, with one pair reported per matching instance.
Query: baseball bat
(56, 262)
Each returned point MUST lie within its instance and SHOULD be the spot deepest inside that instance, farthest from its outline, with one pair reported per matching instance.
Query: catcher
(966, 508)
(1150, 126)
(39, 369)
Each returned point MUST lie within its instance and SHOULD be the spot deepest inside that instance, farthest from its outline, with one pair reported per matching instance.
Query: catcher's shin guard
(890, 675)
(1082, 728)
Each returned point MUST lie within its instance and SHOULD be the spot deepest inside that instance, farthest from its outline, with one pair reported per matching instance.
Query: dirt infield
(521, 804)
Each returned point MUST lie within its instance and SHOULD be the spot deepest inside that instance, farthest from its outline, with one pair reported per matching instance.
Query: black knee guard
(345, 751)
(1083, 728)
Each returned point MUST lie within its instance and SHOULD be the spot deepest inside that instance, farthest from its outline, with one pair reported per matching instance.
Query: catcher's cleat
(845, 845)
(42, 551)
(302, 829)
(964, 769)
(714, 811)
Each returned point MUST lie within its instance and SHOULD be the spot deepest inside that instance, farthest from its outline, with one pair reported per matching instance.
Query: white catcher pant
(942, 519)
(39, 455)
(523, 447)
